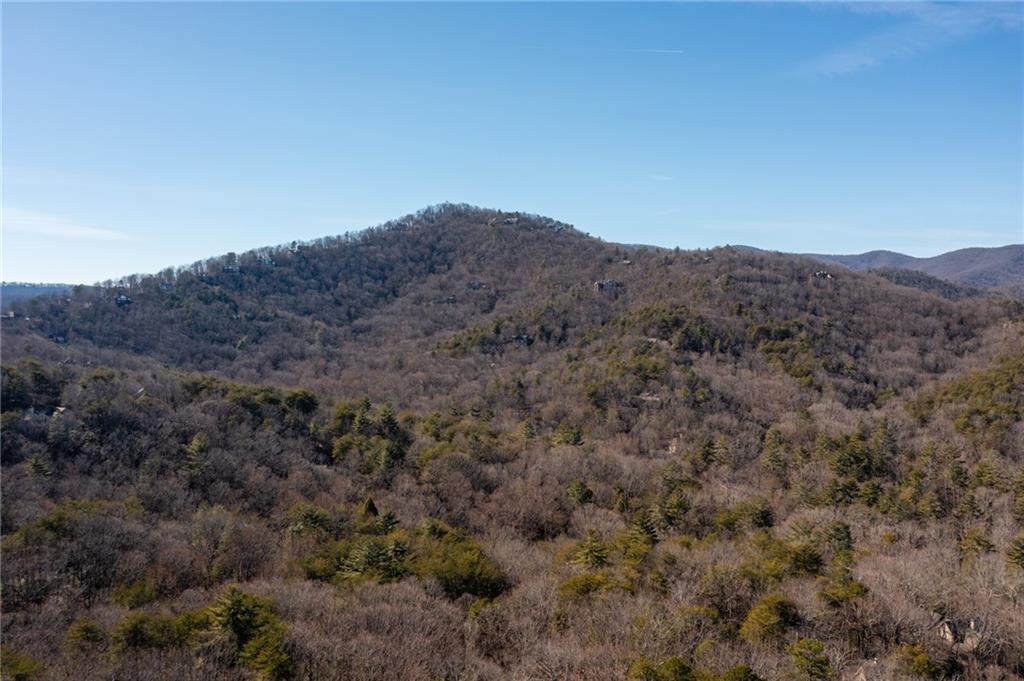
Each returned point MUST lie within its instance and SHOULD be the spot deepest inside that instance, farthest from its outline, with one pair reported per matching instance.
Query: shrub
(143, 630)
(135, 594)
(586, 584)
(1015, 554)
(769, 619)
(840, 587)
(591, 552)
(304, 518)
(85, 633)
(758, 513)
(301, 401)
(451, 557)
(256, 630)
(841, 491)
(839, 536)
(838, 593)
(58, 524)
(804, 559)
(729, 589)
(809, 661)
(240, 614)
(458, 563)
(870, 493)
(579, 493)
(18, 666)
(383, 560)
(38, 466)
(635, 544)
(266, 653)
(755, 514)
(567, 434)
(671, 669)
(741, 673)
(974, 542)
(374, 434)
(915, 660)
(774, 456)
(379, 523)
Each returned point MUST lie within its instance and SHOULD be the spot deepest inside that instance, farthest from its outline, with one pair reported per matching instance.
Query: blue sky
(139, 136)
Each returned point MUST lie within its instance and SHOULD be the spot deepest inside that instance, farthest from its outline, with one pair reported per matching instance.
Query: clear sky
(138, 136)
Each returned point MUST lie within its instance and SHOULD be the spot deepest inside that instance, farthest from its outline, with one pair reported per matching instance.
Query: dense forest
(473, 444)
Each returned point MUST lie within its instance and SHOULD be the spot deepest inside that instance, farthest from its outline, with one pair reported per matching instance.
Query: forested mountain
(472, 444)
(993, 268)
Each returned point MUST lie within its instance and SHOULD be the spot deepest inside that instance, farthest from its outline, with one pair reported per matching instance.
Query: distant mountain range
(987, 268)
(16, 291)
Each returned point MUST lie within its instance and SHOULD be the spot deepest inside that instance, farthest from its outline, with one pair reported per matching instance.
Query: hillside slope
(338, 310)
(474, 444)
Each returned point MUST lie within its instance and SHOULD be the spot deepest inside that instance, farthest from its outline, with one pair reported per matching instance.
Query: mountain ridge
(1000, 267)
(417, 282)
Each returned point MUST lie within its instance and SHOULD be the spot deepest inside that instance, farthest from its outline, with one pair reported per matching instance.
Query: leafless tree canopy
(472, 444)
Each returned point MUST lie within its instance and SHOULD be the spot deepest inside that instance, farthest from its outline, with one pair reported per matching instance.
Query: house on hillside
(122, 300)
